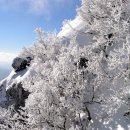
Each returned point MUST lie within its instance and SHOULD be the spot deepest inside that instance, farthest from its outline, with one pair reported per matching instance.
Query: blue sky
(19, 18)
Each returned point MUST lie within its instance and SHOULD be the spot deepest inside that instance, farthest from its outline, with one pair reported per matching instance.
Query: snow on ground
(70, 28)
(116, 122)
(13, 77)
(75, 28)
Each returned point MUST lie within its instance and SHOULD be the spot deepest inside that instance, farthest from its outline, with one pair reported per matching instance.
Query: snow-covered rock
(12, 82)
(16, 95)
(20, 63)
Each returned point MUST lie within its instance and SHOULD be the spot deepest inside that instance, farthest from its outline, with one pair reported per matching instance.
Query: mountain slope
(75, 80)
(75, 28)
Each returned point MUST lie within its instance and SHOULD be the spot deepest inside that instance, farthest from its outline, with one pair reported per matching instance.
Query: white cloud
(6, 58)
(45, 6)
(38, 6)
(34, 6)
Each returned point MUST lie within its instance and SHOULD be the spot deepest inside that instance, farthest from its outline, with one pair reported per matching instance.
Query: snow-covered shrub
(59, 85)
(12, 120)
(108, 21)
(67, 84)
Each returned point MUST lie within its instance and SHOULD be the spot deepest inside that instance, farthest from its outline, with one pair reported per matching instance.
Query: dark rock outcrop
(16, 95)
(21, 63)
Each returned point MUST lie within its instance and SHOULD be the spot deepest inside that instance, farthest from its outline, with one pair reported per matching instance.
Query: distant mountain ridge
(4, 72)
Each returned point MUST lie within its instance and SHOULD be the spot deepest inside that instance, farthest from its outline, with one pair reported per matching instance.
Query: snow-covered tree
(58, 86)
(108, 21)
(69, 82)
